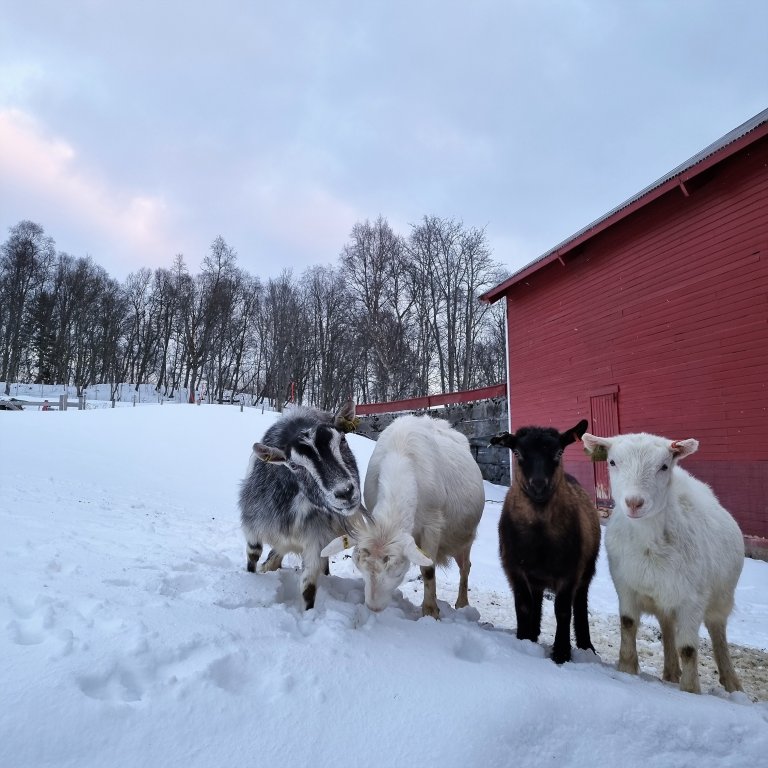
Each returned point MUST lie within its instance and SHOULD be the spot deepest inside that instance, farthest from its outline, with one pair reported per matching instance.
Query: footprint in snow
(119, 684)
(33, 621)
(171, 586)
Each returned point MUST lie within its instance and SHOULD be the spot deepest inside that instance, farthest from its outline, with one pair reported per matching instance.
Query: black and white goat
(549, 536)
(301, 487)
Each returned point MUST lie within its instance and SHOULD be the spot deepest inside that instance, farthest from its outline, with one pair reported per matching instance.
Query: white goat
(673, 551)
(426, 495)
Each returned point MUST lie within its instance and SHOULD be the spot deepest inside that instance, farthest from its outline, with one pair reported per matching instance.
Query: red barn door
(604, 422)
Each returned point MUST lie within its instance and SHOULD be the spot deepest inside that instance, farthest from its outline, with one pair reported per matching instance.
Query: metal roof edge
(733, 141)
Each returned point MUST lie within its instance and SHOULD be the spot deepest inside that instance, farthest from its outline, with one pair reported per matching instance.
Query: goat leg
(581, 618)
(528, 602)
(561, 650)
(253, 551)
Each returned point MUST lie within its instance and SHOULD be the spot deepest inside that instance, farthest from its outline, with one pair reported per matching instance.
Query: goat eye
(293, 465)
(385, 559)
(518, 455)
(612, 463)
(664, 467)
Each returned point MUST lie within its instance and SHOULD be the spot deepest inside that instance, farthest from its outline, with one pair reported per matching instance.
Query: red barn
(654, 318)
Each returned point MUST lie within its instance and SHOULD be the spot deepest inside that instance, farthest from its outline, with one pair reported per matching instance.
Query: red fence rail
(419, 403)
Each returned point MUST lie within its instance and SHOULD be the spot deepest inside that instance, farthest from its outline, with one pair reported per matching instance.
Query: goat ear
(269, 453)
(504, 439)
(337, 545)
(596, 447)
(415, 555)
(345, 419)
(573, 434)
(682, 448)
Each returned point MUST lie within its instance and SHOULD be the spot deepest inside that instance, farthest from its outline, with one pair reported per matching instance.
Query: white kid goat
(673, 551)
(426, 496)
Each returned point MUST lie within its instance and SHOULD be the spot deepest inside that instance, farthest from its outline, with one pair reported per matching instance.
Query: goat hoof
(560, 656)
(672, 676)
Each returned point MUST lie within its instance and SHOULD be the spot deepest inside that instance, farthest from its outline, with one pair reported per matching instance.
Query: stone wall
(479, 421)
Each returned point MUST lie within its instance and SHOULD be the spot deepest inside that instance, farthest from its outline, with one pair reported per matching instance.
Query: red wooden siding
(671, 305)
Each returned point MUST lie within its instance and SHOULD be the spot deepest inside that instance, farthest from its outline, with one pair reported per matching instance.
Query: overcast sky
(133, 131)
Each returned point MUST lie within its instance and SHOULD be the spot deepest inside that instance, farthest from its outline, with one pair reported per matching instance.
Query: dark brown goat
(549, 536)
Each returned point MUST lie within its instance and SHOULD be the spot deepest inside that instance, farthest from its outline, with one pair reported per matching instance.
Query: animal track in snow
(119, 684)
(32, 622)
(229, 672)
(146, 671)
(24, 634)
(171, 586)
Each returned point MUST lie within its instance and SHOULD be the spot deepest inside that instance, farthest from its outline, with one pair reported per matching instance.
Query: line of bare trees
(395, 317)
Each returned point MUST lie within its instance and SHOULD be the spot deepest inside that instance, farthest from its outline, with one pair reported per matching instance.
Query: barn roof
(727, 145)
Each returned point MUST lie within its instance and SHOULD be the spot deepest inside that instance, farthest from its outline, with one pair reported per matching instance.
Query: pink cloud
(46, 169)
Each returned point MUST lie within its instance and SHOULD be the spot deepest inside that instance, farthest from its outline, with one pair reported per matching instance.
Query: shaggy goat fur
(302, 485)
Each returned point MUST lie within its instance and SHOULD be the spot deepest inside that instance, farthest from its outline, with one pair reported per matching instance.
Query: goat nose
(634, 503)
(538, 484)
(344, 492)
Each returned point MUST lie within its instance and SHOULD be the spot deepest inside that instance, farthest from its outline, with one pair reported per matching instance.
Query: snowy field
(132, 635)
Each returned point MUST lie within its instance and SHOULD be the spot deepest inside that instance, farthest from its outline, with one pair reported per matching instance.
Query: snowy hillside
(131, 634)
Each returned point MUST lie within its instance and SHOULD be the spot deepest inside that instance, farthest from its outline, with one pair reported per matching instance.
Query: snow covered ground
(131, 634)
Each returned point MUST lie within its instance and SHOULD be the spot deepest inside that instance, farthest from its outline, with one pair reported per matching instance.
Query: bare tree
(491, 348)
(375, 266)
(110, 343)
(144, 328)
(453, 266)
(331, 336)
(166, 305)
(203, 301)
(85, 283)
(241, 333)
(396, 318)
(283, 333)
(25, 259)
